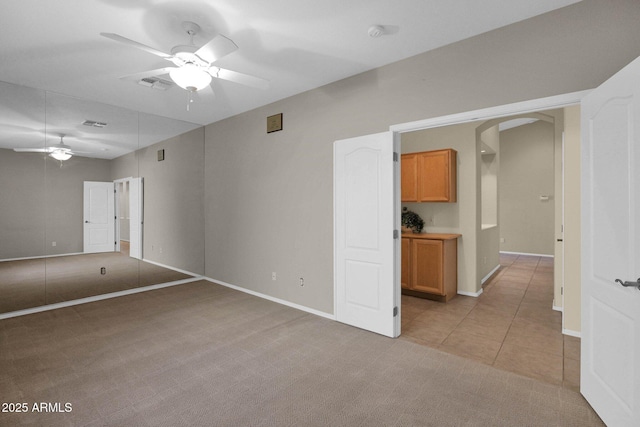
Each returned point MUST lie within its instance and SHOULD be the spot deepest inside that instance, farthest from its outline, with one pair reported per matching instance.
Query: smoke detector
(376, 31)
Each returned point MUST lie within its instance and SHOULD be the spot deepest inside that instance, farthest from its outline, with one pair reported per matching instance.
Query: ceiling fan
(194, 67)
(59, 151)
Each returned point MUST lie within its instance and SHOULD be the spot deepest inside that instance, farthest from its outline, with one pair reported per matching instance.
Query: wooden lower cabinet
(406, 263)
(430, 265)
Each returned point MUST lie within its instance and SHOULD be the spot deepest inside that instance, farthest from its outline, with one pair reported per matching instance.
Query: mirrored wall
(95, 199)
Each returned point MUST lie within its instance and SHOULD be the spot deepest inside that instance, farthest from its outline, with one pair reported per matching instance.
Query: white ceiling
(297, 45)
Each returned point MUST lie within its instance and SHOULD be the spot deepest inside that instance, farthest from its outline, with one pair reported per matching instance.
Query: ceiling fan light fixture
(190, 77)
(60, 154)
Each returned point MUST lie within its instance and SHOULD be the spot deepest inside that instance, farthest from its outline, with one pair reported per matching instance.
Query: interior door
(366, 253)
(135, 217)
(99, 217)
(610, 376)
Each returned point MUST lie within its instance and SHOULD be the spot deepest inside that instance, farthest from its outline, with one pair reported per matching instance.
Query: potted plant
(411, 221)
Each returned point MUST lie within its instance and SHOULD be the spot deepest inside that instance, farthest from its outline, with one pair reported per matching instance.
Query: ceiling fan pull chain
(190, 99)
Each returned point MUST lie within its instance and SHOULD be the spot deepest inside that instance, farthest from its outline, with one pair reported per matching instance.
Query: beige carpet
(201, 354)
(35, 282)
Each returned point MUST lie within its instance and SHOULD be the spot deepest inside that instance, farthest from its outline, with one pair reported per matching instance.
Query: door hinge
(395, 311)
(562, 290)
(395, 156)
(395, 234)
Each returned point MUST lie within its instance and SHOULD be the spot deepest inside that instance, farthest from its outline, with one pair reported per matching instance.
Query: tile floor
(511, 326)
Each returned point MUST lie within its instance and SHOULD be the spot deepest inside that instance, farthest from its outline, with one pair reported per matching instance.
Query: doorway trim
(524, 107)
(518, 108)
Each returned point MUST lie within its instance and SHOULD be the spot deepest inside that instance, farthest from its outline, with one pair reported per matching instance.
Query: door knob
(629, 284)
(86, 222)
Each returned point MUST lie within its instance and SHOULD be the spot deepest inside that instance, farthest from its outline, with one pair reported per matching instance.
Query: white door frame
(140, 204)
(525, 107)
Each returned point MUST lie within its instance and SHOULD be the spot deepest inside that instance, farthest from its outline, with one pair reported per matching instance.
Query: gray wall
(173, 202)
(526, 173)
(173, 199)
(43, 195)
(22, 204)
(269, 198)
(489, 235)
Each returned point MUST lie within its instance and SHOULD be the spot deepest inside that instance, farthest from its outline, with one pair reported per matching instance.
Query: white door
(135, 217)
(99, 217)
(610, 369)
(365, 266)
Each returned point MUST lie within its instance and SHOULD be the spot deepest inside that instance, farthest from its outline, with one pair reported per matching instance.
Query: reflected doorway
(129, 216)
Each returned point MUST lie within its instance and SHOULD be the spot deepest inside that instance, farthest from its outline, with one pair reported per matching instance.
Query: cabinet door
(405, 276)
(426, 259)
(437, 176)
(409, 180)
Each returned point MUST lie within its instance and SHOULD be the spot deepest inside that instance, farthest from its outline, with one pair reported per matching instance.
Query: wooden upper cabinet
(429, 176)
(409, 181)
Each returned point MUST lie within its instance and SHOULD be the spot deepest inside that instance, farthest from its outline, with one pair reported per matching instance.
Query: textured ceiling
(295, 44)
(57, 71)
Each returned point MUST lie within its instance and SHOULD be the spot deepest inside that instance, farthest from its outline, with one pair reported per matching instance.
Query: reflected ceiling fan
(59, 151)
(194, 67)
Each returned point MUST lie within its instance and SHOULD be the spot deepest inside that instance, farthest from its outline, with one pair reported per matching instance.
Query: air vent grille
(93, 123)
(155, 83)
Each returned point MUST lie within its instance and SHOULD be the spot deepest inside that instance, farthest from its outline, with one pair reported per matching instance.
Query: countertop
(431, 236)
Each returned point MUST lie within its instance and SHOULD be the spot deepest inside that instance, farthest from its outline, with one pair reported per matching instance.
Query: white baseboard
(179, 270)
(273, 299)
(571, 333)
(471, 294)
(526, 254)
(95, 298)
(41, 256)
(485, 278)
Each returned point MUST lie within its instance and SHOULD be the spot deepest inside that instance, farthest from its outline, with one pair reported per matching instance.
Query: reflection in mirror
(173, 192)
(84, 257)
(22, 202)
(87, 209)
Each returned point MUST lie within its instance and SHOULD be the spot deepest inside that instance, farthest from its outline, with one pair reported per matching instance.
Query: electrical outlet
(273, 275)
(502, 240)
(53, 243)
(301, 281)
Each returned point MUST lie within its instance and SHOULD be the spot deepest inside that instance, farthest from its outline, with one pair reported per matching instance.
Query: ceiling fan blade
(216, 48)
(135, 44)
(236, 77)
(149, 73)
